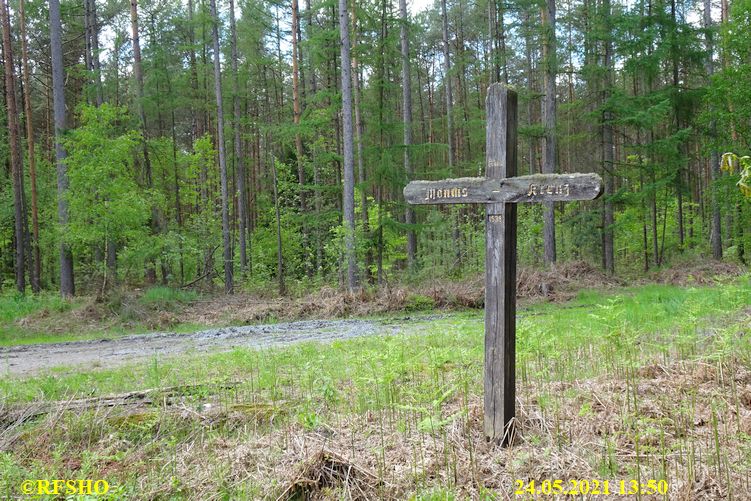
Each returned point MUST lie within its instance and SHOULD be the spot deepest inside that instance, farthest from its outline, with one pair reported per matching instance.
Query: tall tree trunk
(96, 68)
(456, 230)
(532, 152)
(715, 234)
(279, 253)
(361, 176)
(93, 43)
(407, 120)
(349, 159)
(138, 72)
(493, 63)
(447, 85)
(608, 150)
(196, 132)
(67, 284)
(239, 158)
(176, 178)
(16, 162)
(228, 279)
(95, 54)
(36, 268)
(296, 114)
(501, 42)
(681, 146)
(87, 40)
(549, 154)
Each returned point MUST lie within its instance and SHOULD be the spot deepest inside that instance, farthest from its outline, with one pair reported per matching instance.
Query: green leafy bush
(166, 297)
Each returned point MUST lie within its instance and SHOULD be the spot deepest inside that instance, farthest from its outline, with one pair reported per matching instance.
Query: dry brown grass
(684, 424)
(559, 283)
(564, 444)
(703, 272)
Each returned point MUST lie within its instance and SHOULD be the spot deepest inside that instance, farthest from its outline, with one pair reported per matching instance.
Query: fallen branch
(13, 416)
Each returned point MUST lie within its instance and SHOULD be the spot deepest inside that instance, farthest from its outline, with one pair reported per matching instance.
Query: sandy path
(30, 359)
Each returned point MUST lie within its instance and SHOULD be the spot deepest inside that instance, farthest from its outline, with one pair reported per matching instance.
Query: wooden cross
(500, 190)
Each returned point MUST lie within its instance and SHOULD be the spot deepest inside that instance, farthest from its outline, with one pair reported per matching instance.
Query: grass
(14, 306)
(35, 319)
(651, 382)
(165, 297)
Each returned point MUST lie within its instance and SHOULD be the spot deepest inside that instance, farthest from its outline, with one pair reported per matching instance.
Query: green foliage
(161, 296)
(418, 302)
(14, 306)
(668, 118)
(105, 202)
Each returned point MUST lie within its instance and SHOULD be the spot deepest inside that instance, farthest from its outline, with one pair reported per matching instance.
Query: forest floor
(641, 383)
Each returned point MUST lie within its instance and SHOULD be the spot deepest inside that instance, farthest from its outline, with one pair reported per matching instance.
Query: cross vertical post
(500, 190)
(500, 270)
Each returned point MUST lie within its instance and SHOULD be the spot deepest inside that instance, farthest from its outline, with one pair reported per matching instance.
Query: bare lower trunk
(348, 145)
(530, 95)
(138, 72)
(279, 253)
(296, 113)
(549, 61)
(36, 269)
(456, 230)
(239, 159)
(607, 160)
(715, 235)
(16, 163)
(407, 120)
(228, 278)
(447, 85)
(361, 177)
(67, 284)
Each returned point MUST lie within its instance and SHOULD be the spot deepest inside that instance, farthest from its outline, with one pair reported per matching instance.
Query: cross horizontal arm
(480, 190)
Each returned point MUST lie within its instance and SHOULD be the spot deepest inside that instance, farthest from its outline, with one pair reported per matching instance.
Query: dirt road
(30, 359)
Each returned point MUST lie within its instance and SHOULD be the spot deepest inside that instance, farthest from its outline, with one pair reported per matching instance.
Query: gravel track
(31, 359)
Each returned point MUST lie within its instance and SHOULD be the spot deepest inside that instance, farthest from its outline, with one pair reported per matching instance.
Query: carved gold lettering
(437, 193)
(549, 189)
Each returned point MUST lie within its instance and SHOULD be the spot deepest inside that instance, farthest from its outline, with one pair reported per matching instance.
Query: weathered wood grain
(500, 191)
(522, 189)
(500, 270)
